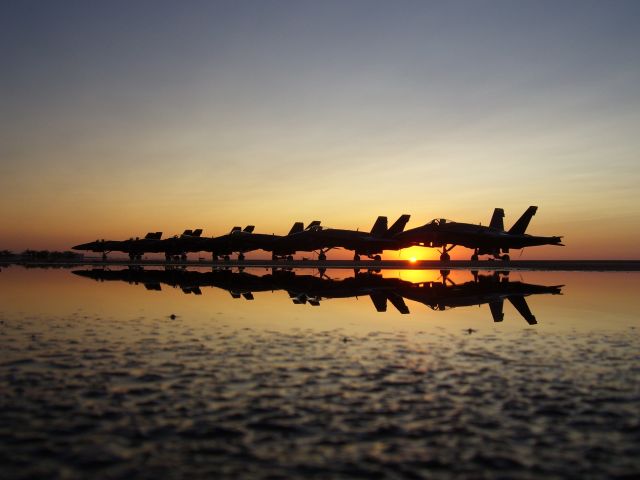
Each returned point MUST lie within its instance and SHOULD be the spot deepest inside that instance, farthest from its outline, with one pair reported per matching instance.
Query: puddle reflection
(117, 372)
(312, 289)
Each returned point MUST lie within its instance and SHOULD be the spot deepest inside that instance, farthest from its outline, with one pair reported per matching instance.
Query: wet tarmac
(104, 388)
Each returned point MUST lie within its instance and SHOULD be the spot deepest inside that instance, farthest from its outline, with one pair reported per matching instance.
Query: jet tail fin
(399, 225)
(380, 227)
(521, 305)
(187, 232)
(496, 310)
(236, 229)
(523, 222)
(197, 232)
(379, 300)
(398, 302)
(297, 228)
(249, 228)
(315, 223)
(497, 219)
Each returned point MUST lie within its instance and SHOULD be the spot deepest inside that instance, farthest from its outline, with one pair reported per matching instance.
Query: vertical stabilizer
(523, 222)
(496, 310)
(380, 227)
(521, 305)
(379, 300)
(399, 225)
(398, 302)
(297, 228)
(497, 221)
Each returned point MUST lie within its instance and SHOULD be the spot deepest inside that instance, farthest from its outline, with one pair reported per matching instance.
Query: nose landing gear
(444, 254)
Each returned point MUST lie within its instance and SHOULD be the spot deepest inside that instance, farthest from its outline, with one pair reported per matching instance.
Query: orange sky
(118, 120)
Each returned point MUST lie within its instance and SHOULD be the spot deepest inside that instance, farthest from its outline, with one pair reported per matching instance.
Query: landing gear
(167, 257)
(104, 257)
(290, 258)
(474, 257)
(226, 258)
(505, 258)
(183, 257)
(377, 258)
(322, 257)
(241, 257)
(356, 258)
(444, 254)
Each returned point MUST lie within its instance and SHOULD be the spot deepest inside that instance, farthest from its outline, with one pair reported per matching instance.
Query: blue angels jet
(492, 240)
(135, 247)
(316, 238)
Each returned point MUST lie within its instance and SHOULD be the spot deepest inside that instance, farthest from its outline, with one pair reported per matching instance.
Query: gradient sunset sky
(118, 118)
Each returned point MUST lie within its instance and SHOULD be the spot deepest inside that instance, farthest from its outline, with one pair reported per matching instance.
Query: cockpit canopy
(440, 221)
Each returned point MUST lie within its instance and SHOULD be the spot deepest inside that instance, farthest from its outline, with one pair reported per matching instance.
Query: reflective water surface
(422, 374)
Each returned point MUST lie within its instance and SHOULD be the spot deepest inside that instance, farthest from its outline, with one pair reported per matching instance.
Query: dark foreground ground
(86, 397)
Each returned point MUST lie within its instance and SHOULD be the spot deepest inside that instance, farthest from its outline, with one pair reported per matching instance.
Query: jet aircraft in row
(492, 240)
(439, 233)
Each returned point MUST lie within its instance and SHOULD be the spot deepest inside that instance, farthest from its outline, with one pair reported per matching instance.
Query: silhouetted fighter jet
(179, 245)
(240, 241)
(315, 238)
(135, 247)
(491, 240)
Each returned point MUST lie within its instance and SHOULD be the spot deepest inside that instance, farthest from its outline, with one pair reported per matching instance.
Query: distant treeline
(41, 255)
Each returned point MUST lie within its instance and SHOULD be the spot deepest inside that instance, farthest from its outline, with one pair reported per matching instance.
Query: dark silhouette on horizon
(439, 233)
(316, 238)
(492, 240)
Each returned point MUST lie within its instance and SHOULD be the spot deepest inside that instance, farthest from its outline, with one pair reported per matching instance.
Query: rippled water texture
(99, 381)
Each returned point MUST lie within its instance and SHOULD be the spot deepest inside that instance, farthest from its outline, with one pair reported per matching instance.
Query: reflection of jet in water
(189, 281)
(313, 289)
(492, 289)
(316, 238)
(491, 240)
